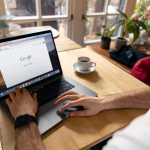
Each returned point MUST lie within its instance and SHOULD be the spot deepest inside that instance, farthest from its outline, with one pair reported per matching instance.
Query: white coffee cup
(85, 63)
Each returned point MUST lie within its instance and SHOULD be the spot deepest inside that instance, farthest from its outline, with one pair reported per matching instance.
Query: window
(101, 12)
(31, 13)
(89, 16)
(27, 24)
(95, 13)
(56, 7)
(23, 8)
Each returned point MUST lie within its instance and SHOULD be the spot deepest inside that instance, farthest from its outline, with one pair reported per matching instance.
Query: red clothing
(141, 70)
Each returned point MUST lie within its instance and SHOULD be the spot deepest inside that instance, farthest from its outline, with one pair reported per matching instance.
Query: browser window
(22, 60)
(26, 61)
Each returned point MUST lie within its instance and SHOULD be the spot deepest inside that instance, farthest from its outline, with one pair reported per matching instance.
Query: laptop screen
(26, 61)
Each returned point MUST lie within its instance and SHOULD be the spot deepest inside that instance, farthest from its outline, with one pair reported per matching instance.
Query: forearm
(28, 138)
(132, 99)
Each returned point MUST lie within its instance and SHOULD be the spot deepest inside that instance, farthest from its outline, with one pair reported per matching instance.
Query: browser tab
(4, 48)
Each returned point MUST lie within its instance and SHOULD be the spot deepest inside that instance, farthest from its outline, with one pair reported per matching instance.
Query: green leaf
(123, 14)
(99, 34)
(139, 23)
(134, 15)
(131, 28)
(128, 24)
(136, 32)
(103, 26)
(116, 25)
(109, 35)
(136, 7)
(112, 31)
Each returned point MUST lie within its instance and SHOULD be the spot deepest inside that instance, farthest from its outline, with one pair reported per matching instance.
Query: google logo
(25, 58)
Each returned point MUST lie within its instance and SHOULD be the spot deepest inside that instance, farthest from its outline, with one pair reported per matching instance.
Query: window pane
(25, 25)
(146, 4)
(111, 20)
(95, 6)
(60, 25)
(93, 27)
(53, 7)
(116, 4)
(23, 8)
(137, 1)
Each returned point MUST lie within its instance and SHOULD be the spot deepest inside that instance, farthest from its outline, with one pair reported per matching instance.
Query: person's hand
(91, 105)
(22, 103)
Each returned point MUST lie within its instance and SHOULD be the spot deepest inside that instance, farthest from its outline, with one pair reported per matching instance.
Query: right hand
(91, 105)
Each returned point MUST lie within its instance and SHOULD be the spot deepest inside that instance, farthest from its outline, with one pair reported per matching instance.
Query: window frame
(79, 37)
(76, 27)
(38, 18)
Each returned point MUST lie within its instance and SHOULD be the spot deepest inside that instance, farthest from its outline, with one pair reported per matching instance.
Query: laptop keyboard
(52, 90)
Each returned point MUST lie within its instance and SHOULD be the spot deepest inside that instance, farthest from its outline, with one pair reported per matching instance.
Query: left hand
(22, 103)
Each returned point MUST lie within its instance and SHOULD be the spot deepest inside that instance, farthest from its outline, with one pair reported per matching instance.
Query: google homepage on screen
(22, 61)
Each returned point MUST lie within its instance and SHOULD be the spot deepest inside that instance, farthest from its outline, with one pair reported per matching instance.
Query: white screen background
(15, 71)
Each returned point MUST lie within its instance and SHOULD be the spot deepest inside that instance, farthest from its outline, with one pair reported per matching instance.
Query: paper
(11, 3)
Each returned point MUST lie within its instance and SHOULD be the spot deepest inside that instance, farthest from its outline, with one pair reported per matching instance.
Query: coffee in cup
(85, 63)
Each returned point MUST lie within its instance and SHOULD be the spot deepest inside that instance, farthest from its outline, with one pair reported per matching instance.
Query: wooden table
(105, 53)
(76, 133)
(62, 42)
(0, 144)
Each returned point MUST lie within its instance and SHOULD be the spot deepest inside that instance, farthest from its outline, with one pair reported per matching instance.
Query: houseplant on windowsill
(129, 26)
(142, 14)
(105, 37)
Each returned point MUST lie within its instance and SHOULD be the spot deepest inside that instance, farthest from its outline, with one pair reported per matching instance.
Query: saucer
(76, 68)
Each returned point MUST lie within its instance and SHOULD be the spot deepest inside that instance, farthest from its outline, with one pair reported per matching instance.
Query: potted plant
(141, 15)
(129, 26)
(105, 37)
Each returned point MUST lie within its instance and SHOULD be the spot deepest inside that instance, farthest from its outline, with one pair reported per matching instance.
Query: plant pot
(105, 43)
(120, 42)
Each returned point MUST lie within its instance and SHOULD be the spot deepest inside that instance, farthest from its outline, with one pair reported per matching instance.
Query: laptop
(31, 61)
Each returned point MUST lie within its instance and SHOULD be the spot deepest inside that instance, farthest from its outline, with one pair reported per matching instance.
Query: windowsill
(96, 41)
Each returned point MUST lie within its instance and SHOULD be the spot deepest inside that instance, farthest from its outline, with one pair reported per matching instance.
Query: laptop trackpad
(43, 123)
(52, 114)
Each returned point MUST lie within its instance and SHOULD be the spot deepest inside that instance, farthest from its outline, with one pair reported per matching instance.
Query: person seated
(135, 136)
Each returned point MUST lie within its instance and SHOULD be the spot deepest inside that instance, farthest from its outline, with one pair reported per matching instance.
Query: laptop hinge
(43, 83)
